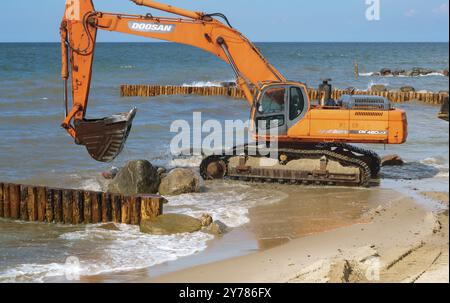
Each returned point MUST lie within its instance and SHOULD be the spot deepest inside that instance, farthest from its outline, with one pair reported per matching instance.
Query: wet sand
(393, 241)
(283, 239)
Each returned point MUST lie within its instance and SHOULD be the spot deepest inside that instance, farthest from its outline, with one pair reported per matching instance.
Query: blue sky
(260, 20)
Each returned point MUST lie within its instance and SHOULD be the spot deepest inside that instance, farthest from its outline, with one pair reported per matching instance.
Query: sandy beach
(396, 241)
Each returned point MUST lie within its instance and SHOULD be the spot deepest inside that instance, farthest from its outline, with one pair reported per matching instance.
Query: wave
(207, 83)
(111, 251)
(376, 74)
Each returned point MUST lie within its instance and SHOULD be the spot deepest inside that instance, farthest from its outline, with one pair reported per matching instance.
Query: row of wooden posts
(68, 206)
(234, 92)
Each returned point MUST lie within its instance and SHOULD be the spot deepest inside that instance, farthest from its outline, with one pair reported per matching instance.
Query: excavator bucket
(105, 138)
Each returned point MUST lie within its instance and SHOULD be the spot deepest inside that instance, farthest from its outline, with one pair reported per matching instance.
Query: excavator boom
(105, 138)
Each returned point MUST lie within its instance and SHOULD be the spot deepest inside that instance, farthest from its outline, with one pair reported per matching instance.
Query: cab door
(271, 111)
(299, 124)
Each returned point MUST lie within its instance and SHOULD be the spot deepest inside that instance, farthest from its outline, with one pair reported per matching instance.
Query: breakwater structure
(69, 206)
(236, 93)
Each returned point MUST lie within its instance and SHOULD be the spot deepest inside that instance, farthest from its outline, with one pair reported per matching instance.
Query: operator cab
(279, 107)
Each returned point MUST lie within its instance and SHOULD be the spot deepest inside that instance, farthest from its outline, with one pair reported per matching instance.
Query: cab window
(273, 101)
(296, 103)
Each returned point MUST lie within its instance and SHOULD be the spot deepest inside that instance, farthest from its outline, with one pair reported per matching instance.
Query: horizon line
(156, 42)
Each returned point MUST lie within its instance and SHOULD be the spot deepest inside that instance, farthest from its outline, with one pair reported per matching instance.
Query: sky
(260, 20)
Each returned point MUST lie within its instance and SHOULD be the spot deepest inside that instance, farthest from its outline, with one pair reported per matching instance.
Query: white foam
(370, 74)
(115, 251)
(193, 161)
(229, 202)
(206, 83)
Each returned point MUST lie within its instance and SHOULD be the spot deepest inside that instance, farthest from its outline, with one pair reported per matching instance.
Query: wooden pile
(68, 206)
(234, 92)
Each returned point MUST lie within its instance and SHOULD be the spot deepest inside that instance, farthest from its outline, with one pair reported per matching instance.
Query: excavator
(313, 139)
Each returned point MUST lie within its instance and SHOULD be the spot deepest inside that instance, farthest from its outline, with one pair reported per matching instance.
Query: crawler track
(365, 162)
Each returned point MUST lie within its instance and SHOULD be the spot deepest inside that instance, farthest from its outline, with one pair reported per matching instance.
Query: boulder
(385, 72)
(206, 220)
(180, 181)
(170, 224)
(109, 226)
(378, 88)
(137, 177)
(217, 228)
(228, 84)
(407, 89)
(445, 72)
(398, 72)
(110, 174)
(392, 160)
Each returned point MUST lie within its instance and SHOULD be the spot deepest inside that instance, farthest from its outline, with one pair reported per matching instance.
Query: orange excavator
(313, 139)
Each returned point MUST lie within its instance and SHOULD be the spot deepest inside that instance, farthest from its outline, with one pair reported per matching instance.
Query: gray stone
(171, 224)
(378, 88)
(407, 89)
(206, 220)
(392, 160)
(180, 181)
(217, 228)
(386, 72)
(137, 177)
(109, 226)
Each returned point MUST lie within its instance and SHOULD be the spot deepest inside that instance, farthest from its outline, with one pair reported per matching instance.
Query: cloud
(411, 13)
(442, 9)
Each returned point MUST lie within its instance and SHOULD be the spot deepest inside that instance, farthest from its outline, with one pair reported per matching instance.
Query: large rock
(378, 88)
(216, 228)
(445, 72)
(392, 160)
(180, 181)
(137, 177)
(407, 89)
(386, 72)
(171, 224)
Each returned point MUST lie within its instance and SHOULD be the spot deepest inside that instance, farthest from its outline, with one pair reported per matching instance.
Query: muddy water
(35, 150)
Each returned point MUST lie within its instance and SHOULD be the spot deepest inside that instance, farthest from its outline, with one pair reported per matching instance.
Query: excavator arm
(104, 138)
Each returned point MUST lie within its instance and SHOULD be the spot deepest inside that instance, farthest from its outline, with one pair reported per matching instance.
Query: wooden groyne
(234, 92)
(67, 206)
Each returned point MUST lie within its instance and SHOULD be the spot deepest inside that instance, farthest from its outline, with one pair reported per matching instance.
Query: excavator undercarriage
(322, 164)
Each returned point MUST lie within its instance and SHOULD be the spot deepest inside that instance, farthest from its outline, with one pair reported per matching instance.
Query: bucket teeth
(105, 138)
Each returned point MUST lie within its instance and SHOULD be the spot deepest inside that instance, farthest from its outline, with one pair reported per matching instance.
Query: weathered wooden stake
(67, 206)
(151, 207)
(78, 214)
(116, 202)
(1, 200)
(87, 207)
(24, 203)
(126, 211)
(57, 194)
(49, 206)
(106, 208)
(96, 207)
(41, 203)
(6, 202)
(135, 210)
(32, 206)
(14, 196)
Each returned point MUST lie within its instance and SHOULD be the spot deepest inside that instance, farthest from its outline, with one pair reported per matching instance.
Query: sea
(35, 150)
